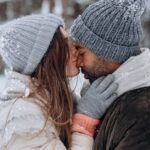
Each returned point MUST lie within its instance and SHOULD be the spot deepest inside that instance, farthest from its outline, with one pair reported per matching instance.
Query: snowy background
(68, 9)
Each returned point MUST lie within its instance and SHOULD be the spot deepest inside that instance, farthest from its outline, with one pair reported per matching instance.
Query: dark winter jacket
(126, 125)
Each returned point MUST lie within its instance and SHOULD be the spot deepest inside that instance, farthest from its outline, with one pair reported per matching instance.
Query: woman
(36, 105)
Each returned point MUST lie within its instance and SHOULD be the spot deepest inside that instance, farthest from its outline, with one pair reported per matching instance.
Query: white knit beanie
(24, 41)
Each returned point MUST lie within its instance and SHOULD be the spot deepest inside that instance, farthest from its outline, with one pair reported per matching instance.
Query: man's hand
(98, 97)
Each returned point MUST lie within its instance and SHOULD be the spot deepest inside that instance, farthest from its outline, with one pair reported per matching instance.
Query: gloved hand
(98, 97)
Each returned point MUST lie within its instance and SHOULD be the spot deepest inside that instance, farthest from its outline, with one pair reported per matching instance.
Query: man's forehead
(74, 41)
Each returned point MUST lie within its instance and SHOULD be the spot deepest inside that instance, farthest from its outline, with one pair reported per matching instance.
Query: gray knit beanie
(111, 28)
(24, 41)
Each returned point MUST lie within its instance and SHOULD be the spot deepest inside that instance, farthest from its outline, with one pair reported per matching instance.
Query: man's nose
(75, 52)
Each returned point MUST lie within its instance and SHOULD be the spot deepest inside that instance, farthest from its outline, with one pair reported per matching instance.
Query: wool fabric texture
(111, 28)
(24, 41)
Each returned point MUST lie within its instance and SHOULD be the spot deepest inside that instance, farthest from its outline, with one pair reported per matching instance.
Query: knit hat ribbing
(24, 41)
(111, 28)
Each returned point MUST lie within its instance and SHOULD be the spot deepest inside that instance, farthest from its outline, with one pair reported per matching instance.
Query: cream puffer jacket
(21, 120)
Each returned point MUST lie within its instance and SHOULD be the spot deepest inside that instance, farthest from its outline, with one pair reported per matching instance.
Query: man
(107, 35)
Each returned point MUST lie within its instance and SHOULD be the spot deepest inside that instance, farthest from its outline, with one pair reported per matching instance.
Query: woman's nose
(80, 62)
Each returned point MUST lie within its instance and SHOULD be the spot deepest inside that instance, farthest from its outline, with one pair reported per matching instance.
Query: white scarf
(134, 73)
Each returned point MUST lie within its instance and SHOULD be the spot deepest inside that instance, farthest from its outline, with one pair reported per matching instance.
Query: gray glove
(98, 97)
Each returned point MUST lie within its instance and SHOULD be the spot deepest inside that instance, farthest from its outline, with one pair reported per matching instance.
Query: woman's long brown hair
(51, 75)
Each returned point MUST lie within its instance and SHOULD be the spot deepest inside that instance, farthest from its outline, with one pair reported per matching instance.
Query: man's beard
(91, 77)
(94, 74)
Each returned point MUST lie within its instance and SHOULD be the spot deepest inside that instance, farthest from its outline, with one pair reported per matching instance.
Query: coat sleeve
(23, 133)
(81, 142)
(49, 141)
